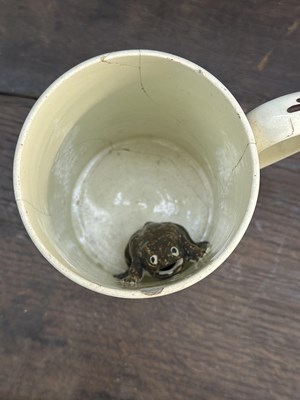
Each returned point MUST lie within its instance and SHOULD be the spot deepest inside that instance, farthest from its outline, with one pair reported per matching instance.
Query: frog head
(163, 258)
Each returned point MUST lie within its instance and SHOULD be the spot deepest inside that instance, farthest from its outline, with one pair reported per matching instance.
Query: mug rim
(170, 287)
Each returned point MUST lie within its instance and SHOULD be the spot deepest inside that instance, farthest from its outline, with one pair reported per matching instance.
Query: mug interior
(126, 138)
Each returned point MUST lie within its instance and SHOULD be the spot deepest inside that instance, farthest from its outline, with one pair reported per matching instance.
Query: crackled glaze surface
(130, 137)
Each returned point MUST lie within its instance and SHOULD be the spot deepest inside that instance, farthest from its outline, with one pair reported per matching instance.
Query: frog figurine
(162, 249)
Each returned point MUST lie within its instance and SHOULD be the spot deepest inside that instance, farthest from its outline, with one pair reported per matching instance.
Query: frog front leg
(134, 274)
(195, 251)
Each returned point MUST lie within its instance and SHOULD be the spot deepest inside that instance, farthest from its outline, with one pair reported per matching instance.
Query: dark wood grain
(249, 45)
(235, 335)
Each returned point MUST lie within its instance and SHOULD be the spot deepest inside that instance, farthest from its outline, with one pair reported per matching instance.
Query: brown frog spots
(161, 249)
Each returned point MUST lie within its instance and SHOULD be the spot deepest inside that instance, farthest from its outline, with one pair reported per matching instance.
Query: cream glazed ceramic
(136, 136)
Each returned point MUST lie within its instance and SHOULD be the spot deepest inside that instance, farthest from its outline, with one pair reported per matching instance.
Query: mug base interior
(121, 188)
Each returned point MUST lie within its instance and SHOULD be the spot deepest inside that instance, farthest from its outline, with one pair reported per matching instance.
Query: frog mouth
(171, 268)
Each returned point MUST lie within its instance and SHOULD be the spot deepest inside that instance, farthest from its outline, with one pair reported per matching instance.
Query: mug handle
(276, 128)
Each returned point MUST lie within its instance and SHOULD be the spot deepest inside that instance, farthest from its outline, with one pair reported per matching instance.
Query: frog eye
(174, 251)
(154, 259)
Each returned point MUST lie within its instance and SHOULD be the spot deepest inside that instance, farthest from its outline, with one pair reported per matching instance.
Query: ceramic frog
(162, 249)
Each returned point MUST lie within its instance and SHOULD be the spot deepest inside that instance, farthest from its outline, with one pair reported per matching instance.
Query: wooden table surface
(235, 335)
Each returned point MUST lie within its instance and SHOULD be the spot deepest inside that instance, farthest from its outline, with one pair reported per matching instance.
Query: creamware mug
(136, 136)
